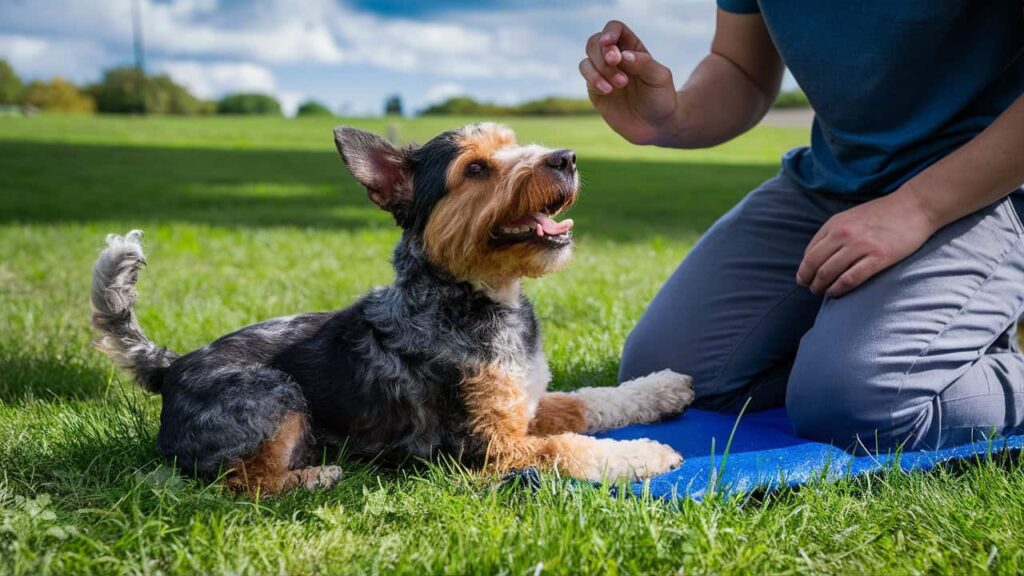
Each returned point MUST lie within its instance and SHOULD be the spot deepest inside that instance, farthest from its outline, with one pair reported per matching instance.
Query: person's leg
(731, 315)
(921, 356)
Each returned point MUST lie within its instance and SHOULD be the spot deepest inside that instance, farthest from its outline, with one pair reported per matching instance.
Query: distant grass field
(251, 218)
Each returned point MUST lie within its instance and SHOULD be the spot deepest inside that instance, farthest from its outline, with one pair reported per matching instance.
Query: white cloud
(22, 49)
(37, 57)
(213, 79)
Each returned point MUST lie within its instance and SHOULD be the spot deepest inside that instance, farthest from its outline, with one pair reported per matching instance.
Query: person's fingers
(612, 55)
(643, 66)
(617, 34)
(595, 81)
(856, 275)
(814, 257)
(833, 268)
(596, 55)
(611, 33)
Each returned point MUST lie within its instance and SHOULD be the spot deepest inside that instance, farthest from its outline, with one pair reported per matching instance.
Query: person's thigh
(918, 356)
(732, 314)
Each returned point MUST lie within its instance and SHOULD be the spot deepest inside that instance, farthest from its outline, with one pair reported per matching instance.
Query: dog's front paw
(669, 392)
(678, 390)
(633, 460)
(654, 458)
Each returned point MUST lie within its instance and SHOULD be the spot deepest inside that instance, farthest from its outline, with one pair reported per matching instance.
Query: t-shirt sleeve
(739, 6)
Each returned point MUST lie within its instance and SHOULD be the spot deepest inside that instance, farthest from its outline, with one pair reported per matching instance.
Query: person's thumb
(643, 66)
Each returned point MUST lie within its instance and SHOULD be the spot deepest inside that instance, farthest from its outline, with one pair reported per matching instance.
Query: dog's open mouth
(536, 227)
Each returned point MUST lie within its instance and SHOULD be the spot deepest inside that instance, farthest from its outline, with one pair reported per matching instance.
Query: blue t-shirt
(895, 84)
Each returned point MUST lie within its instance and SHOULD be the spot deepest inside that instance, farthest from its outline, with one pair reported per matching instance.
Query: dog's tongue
(548, 227)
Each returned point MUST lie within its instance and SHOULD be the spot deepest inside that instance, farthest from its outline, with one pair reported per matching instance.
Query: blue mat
(765, 454)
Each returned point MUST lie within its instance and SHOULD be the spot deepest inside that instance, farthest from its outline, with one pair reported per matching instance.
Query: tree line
(126, 90)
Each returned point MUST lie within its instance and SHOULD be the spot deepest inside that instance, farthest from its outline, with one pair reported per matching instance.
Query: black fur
(429, 165)
(380, 377)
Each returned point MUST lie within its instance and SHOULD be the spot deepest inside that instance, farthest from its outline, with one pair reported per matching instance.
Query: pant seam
(1001, 259)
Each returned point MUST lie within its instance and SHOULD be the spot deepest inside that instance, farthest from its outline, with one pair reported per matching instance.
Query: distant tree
(58, 95)
(10, 84)
(118, 92)
(551, 106)
(393, 105)
(792, 99)
(249, 103)
(164, 96)
(463, 106)
(313, 108)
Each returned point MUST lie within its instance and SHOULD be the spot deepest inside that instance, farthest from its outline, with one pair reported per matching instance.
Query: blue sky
(348, 54)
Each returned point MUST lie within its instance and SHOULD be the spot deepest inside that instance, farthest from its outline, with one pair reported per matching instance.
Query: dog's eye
(476, 169)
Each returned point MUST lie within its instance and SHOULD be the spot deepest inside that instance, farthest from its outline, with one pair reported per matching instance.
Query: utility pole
(140, 63)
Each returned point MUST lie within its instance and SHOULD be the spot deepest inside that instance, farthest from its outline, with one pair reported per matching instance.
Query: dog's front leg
(642, 400)
(497, 408)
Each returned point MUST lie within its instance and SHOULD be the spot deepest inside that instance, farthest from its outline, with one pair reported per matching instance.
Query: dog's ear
(379, 166)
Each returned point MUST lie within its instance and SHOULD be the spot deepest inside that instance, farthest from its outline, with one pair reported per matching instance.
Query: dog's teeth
(523, 229)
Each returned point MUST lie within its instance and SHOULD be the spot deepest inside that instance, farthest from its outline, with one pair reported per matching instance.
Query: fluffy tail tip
(113, 296)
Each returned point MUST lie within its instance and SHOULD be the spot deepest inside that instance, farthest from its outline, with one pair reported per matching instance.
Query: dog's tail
(113, 297)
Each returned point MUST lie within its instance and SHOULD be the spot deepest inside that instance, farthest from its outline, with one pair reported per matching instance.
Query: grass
(246, 219)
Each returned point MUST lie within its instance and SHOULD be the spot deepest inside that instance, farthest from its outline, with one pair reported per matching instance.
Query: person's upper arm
(742, 37)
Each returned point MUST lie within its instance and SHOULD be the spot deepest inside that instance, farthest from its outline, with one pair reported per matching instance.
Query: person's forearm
(717, 103)
(980, 172)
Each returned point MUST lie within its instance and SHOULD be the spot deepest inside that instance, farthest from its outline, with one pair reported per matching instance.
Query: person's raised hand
(633, 92)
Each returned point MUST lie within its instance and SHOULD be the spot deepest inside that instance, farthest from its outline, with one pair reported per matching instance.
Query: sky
(348, 54)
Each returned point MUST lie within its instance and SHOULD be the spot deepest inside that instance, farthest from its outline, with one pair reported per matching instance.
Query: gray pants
(922, 356)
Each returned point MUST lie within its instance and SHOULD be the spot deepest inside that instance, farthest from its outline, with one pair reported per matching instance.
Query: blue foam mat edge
(765, 455)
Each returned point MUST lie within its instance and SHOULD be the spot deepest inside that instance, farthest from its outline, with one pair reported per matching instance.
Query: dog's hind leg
(642, 400)
(268, 471)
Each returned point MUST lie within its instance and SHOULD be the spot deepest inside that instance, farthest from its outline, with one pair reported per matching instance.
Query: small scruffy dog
(445, 361)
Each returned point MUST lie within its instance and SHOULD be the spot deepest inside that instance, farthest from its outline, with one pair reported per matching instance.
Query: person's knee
(649, 349)
(838, 395)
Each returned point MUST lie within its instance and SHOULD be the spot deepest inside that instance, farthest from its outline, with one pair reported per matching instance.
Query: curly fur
(437, 363)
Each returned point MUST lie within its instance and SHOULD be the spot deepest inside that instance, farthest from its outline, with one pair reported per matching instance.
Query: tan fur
(513, 188)
(603, 458)
(557, 413)
(496, 403)
(267, 471)
(498, 416)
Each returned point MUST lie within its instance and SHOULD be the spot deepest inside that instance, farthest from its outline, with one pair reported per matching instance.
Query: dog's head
(482, 206)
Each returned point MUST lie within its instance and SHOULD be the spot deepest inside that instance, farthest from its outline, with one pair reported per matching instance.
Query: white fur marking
(642, 400)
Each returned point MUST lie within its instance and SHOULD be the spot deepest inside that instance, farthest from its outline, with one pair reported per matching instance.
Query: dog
(444, 362)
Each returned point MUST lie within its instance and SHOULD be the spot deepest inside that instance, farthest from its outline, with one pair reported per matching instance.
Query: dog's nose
(563, 160)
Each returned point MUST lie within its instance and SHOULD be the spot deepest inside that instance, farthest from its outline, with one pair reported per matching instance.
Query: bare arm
(978, 173)
(726, 95)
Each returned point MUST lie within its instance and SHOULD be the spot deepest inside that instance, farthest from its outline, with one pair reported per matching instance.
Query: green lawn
(247, 219)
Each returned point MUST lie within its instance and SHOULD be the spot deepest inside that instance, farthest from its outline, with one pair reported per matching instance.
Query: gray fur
(113, 297)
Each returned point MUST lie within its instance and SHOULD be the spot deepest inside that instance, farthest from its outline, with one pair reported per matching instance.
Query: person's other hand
(633, 92)
(858, 243)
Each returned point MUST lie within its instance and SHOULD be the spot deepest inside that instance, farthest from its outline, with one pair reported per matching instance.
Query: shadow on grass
(44, 182)
(27, 378)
